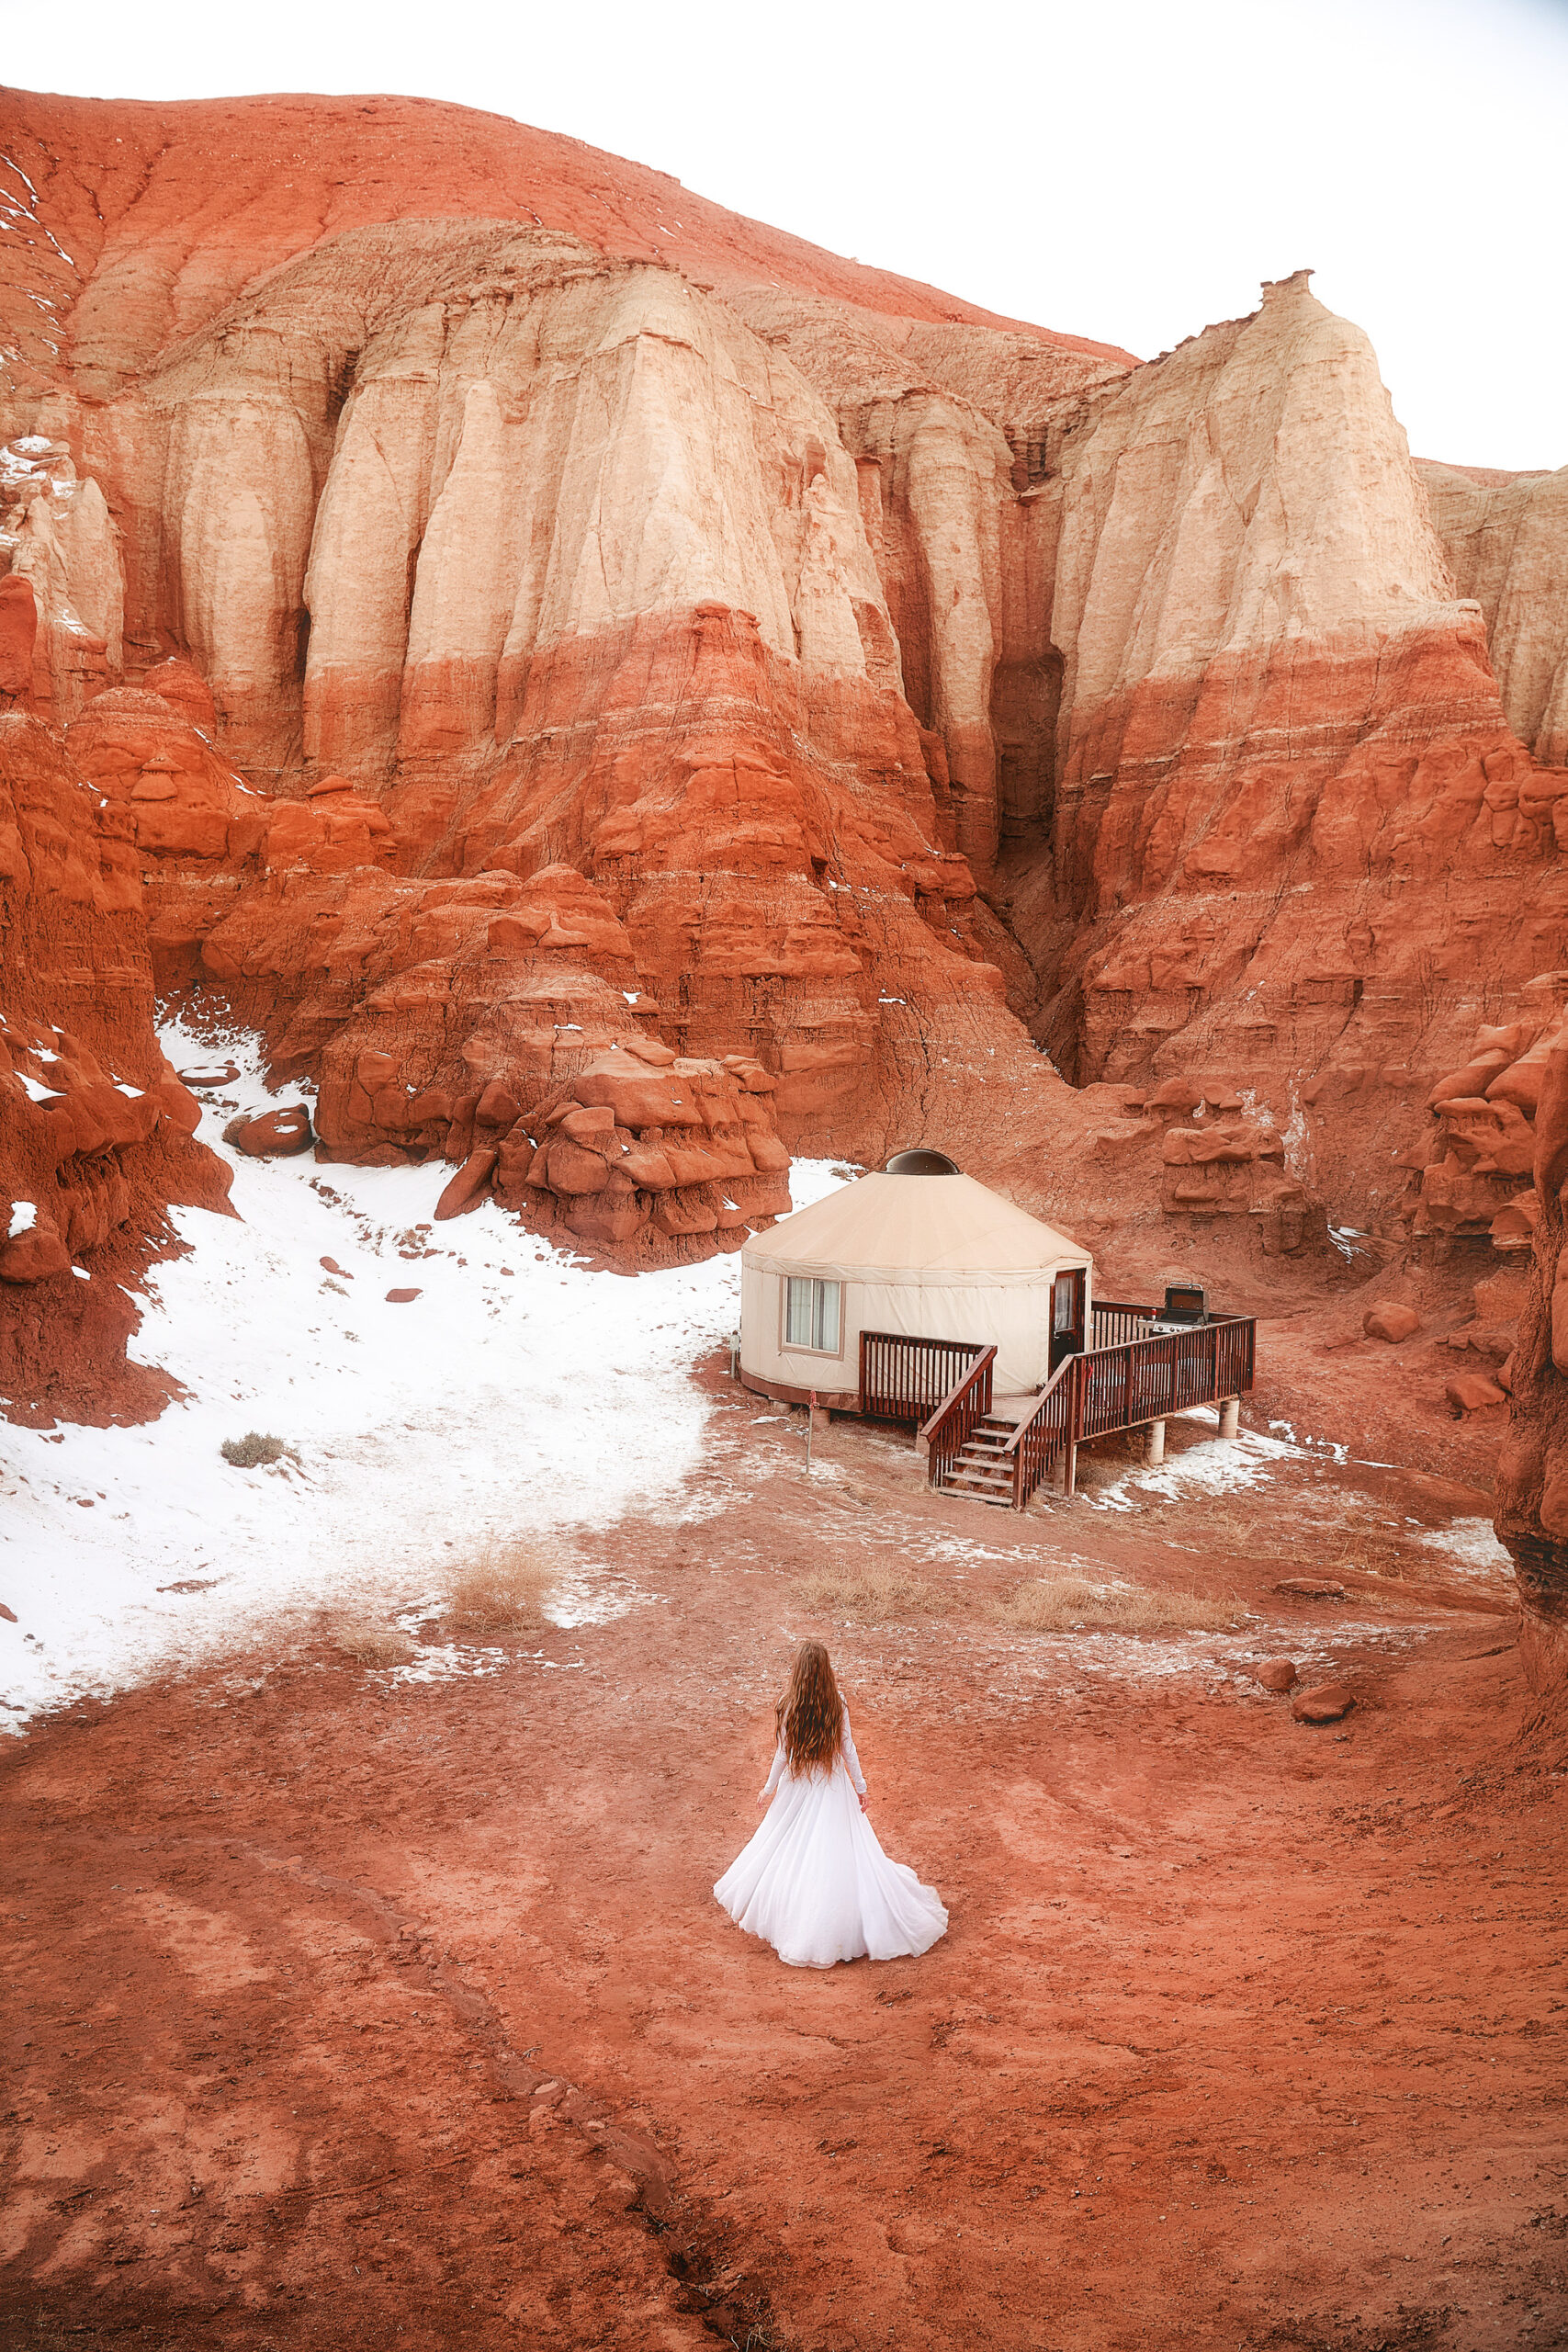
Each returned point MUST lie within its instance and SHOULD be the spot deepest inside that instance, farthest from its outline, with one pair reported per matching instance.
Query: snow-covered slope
(517, 1392)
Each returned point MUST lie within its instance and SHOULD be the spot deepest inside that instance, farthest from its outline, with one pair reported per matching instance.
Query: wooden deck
(1126, 1378)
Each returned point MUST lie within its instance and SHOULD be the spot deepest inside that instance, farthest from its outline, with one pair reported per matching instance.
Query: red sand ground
(345, 2013)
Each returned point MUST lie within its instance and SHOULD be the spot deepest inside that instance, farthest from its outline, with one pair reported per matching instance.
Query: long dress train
(814, 1882)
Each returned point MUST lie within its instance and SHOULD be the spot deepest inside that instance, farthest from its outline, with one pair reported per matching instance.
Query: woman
(813, 1883)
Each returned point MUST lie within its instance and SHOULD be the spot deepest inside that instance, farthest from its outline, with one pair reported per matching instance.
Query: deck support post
(1230, 1416)
(1155, 1452)
(1070, 1470)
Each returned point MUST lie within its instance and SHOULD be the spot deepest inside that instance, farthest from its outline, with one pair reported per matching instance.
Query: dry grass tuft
(505, 1590)
(1324, 1532)
(1071, 1604)
(252, 1450)
(1044, 1605)
(873, 1596)
(372, 1645)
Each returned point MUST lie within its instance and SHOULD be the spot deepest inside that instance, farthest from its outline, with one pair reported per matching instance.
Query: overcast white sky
(1117, 168)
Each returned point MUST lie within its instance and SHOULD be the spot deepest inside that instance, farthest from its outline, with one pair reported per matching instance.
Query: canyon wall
(1506, 536)
(528, 622)
(96, 1130)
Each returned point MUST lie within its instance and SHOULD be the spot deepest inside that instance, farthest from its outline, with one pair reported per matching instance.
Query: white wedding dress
(814, 1882)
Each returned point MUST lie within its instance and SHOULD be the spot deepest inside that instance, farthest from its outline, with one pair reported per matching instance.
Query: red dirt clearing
(402, 2015)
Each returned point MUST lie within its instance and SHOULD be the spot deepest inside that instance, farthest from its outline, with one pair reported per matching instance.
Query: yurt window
(811, 1314)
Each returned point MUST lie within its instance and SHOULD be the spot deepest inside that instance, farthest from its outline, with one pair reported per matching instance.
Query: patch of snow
(1222, 1466)
(548, 1398)
(24, 1217)
(36, 1090)
(1470, 1548)
(81, 1274)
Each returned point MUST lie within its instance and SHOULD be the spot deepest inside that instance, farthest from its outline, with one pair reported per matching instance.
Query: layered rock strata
(1505, 537)
(545, 619)
(1532, 1469)
(96, 1130)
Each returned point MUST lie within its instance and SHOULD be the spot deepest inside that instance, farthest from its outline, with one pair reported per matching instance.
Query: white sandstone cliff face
(935, 486)
(56, 531)
(1506, 541)
(1251, 490)
(535, 444)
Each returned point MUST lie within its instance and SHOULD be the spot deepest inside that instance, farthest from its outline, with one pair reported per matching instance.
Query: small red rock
(1472, 1392)
(1326, 1704)
(1312, 1588)
(210, 1074)
(276, 1134)
(469, 1187)
(401, 1297)
(33, 1256)
(1391, 1320)
(333, 1268)
(1277, 1673)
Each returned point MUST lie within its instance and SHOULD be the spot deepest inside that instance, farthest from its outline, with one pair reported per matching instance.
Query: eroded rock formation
(523, 623)
(1506, 536)
(1532, 1470)
(94, 1127)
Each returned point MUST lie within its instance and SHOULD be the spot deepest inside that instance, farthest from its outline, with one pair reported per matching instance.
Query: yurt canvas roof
(890, 1227)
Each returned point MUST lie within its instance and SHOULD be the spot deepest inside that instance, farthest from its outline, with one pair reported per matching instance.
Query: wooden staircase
(982, 1466)
(1126, 1377)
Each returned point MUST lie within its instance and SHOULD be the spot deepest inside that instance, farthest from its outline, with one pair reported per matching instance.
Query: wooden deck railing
(1114, 1385)
(1111, 1320)
(965, 1403)
(1037, 1440)
(902, 1378)
(1144, 1380)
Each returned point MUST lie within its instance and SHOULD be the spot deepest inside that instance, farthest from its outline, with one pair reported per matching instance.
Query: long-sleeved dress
(814, 1882)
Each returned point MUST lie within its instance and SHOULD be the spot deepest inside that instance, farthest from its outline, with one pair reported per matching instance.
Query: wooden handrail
(898, 1371)
(1063, 1371)
(964, 1404)
(1015, 1451)
(1096, 1390)
(981, 1363)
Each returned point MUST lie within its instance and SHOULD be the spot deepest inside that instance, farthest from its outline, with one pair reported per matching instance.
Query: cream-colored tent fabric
(930, 1257)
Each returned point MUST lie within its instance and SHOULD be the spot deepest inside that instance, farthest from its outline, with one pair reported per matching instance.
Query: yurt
(920, 1251)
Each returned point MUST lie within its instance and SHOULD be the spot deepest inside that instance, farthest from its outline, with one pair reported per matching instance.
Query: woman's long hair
(810, 1718)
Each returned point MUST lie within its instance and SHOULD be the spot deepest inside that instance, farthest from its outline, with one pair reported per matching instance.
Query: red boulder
(276, 1134)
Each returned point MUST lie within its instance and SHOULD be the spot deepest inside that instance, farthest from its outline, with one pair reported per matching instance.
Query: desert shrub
(874, 1596)
(249, 1452)
(505, 1590)
(372, 1645)
(1071, 1604)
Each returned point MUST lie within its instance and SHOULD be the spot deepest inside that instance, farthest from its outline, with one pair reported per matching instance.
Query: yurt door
(1067, 1294)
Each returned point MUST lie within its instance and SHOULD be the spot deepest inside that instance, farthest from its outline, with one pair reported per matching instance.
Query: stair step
(979, 1484)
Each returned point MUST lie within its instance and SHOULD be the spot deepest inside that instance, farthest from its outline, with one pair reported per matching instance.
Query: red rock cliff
(583, 617)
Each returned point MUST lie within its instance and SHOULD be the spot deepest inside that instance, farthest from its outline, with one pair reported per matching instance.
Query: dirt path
(402, 2015)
